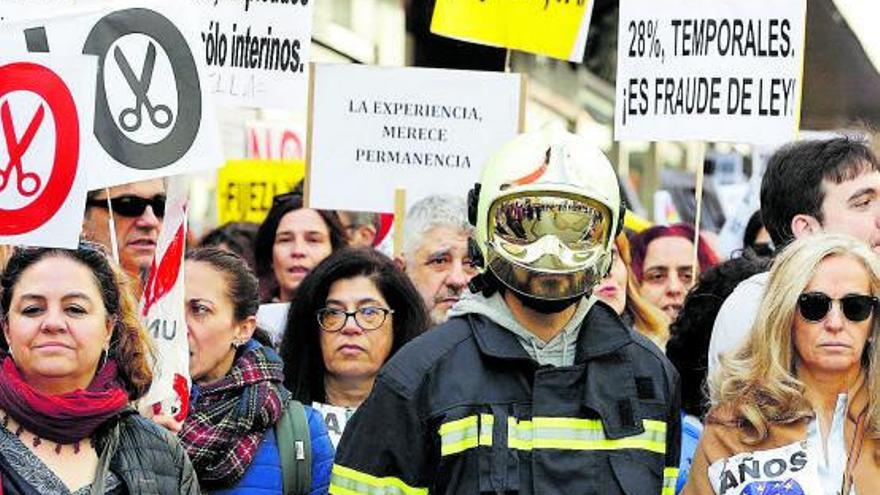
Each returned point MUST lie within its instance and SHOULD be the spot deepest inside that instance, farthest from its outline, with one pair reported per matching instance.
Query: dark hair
(241, 284)
(304, 367)
(688, 346)
(639, 246)
(129, 345)
(239, 237)
(283, 205)
(753, 227)
(792, 183)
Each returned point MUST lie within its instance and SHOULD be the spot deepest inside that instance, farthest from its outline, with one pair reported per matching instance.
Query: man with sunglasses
(809, 187)
(532, 386)
(138, 209)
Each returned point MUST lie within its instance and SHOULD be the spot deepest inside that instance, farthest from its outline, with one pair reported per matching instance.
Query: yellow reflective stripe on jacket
(547, 433)
(347, 481)
(466, 433)
(670, 479)
(580, 434)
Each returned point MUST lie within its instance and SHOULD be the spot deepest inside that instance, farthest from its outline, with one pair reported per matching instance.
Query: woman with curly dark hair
(75, 355)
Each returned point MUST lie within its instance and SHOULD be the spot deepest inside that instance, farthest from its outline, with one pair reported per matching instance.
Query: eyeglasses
(132, 206)
(814, 306)
(368, 318)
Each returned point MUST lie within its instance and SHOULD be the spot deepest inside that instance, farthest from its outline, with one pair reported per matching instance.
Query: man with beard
(435, 252)
(533, 386)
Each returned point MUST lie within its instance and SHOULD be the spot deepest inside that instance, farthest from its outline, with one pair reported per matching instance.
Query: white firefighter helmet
(547, 212)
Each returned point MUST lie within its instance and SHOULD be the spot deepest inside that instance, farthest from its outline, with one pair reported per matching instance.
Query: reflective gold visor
(520, 221)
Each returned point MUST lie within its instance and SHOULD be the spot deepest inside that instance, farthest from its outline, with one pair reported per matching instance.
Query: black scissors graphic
(130, 118)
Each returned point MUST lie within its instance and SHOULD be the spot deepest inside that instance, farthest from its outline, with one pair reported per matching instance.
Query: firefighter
(533, 386)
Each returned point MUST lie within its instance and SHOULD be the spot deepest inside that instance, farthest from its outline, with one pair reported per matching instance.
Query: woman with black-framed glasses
(796, 408)
(349, 316)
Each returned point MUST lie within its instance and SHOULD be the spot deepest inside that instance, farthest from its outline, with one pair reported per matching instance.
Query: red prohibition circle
(26, 76)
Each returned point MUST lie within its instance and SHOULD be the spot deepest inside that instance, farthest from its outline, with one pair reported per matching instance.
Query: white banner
(163, 310)
(257, 52)
(429, 131)
(713, 70)
(154, 117)
(46, 121)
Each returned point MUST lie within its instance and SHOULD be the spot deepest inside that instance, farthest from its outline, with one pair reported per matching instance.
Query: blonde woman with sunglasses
(795, 410)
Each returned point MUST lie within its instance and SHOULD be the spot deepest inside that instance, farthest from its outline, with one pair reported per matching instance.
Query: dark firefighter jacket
(463, 409)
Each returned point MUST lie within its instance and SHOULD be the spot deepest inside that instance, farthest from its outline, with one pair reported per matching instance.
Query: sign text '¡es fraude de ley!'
(702, 94)
(397, 132)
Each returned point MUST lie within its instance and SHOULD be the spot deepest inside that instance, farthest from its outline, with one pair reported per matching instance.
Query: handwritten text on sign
(257, 51)
(710, 70)
(428, 131)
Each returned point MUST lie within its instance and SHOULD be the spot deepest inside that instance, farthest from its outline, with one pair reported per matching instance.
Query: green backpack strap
(295, 449)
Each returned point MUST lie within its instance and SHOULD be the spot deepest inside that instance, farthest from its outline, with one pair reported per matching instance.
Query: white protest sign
(46, 120)
(713, 70)
(11, 10)
(788, 470)
(335, 419)
(374, 130)
(257, 51)
(153, 116)
(163, 310)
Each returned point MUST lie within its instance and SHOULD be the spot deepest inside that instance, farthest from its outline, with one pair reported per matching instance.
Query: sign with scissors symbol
(130, 118)
(28, 182)
(152, 115)
(43, 186)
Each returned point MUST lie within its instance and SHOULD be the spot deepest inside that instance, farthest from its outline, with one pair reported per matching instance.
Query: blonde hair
(648, 320)
(758, 383)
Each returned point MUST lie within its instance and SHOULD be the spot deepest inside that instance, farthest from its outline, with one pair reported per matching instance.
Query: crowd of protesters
(621, 366)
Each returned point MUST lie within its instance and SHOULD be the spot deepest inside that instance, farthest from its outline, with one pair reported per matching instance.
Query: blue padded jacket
(263, 476)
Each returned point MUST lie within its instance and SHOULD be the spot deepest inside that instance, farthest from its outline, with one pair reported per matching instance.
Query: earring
(103, 359)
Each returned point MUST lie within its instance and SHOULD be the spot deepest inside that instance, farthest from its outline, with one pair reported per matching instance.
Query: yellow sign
(245, 188)
(548, 27)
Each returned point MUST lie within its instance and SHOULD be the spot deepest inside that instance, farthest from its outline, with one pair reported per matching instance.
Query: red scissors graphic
(16, 150)
(130, 118)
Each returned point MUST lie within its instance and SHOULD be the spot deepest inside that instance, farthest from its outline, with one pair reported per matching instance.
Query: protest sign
(257, 52)
(153, 118)
(714, 70)
(790, 469)
(45, 119)
(246, 188)
(163, 310)
(552, 28)
(335, 419)
(373, 130)
(269, 140)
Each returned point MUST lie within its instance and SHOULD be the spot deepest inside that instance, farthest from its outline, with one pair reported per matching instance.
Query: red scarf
(66, 418)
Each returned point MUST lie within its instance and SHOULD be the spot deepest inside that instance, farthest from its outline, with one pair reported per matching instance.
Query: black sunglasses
(814, 306)
(132, 206)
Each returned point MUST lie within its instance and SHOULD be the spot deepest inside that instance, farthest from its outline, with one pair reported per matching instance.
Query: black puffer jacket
(149, 460)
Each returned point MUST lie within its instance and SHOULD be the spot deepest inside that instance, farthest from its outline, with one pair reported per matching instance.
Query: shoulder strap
(295, 449)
